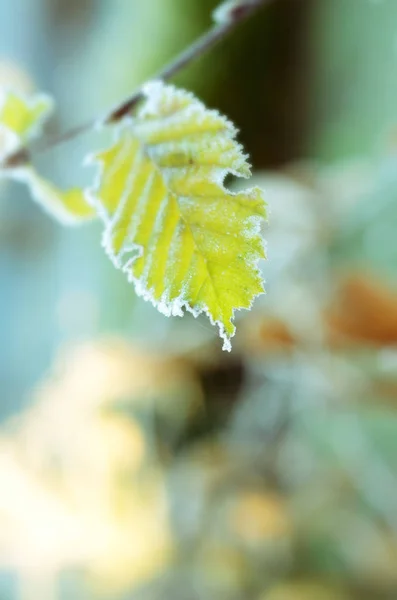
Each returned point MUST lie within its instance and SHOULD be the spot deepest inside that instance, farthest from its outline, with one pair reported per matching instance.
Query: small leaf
(181, 237)
(21, 119)
(70, 206)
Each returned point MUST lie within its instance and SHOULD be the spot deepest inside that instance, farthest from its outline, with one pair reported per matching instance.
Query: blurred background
(138, 461)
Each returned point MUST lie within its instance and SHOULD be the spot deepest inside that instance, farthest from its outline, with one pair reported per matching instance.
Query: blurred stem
(201, 46)
(204, 44)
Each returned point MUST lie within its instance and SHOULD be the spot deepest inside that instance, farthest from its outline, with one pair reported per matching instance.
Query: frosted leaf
(182, 238)
(22, 118)
(70, 207)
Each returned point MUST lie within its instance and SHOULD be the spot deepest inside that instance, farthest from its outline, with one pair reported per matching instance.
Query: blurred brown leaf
(364, 311)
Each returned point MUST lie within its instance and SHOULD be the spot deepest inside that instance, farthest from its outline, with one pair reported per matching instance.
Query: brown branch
(236, 15)
(201, 46)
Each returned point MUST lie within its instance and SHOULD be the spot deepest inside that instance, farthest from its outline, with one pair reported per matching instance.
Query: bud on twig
(227, 16)
(233, 10)
(17, 159)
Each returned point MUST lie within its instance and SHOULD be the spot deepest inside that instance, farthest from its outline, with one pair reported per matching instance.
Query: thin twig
(201, 46)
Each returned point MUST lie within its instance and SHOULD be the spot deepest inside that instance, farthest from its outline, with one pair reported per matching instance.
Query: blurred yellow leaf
(21, 119)
(91, 504)
(257, 517)
(70, 206)
(304, 590)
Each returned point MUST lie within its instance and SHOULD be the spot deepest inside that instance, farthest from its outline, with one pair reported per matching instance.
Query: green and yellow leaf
(21, 119)
(182, 238)
(68, 206)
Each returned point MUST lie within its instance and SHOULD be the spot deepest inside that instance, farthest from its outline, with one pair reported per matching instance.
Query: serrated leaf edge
(175, 307)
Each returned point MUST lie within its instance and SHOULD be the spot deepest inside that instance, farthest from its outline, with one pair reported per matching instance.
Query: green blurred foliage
(165, 468)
